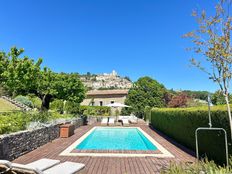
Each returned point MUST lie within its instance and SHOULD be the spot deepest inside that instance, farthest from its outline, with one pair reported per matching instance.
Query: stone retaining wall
(16, 144)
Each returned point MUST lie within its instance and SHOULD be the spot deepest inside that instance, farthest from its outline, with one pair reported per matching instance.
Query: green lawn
(6, 106)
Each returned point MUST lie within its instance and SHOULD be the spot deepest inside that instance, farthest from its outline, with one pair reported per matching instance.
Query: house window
(112, 102)
(92, 103)
(101, 103)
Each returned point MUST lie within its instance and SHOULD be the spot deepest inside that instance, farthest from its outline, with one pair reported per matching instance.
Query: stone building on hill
(106, 81)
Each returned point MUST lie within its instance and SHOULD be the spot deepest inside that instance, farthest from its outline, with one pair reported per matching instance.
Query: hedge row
(75, 108)
(181, 123)
(95, 110)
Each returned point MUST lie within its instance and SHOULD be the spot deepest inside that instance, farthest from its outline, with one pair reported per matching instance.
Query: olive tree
(60, 86)
(23, 76)
(20, 75)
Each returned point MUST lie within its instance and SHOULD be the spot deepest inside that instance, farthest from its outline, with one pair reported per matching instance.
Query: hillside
(106, 81)
(6, 106)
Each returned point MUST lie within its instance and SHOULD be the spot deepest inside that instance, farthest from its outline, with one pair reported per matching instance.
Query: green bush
(36, 101)
(147, 116)
(57, 105)
(16, 121)
(95, 110)
(13, 122)
(72, 107)
(180, 124)
(24, 100)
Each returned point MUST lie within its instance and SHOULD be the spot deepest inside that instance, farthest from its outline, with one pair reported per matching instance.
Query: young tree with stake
(212, 40)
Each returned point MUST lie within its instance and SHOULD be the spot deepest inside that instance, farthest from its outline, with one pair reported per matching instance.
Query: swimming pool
(104, 138)
(116, 142)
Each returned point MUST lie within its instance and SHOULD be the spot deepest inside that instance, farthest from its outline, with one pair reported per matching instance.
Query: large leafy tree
(145, 92)
(3, 64)
(212, 41)
(22, 76)
(61, 86)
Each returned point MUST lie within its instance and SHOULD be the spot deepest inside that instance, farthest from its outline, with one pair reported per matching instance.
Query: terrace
(109, 164)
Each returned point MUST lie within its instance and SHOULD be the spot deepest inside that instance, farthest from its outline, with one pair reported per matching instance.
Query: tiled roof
(108, 92)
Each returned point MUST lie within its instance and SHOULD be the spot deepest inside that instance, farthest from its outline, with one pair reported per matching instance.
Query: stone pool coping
(162, 152)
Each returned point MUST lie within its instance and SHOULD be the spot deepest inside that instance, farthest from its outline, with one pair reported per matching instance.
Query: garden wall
(16, 144)
(181, 123)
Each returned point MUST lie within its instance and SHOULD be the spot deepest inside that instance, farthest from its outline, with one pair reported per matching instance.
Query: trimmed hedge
(181, 123)
(95, 110)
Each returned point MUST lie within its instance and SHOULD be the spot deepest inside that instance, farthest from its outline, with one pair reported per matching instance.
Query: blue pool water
(116, 139)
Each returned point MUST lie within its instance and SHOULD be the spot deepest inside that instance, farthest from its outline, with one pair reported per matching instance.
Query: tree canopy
(22, 76)
(145, 92)
(202, 95)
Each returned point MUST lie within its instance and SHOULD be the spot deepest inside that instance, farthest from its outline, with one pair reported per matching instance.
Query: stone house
(104, 97)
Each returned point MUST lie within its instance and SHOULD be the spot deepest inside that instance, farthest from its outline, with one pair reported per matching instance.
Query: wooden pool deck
(112, 165)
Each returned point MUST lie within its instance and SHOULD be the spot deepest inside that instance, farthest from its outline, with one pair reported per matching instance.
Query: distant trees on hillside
(202, 95)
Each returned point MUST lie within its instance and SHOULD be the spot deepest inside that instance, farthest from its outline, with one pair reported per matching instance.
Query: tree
(20, 75)
(60, 86)
(179, 100)
(3, 64)
(212, 41)
(217, 98)
(202, 95)
(145, 92)
(23, 76)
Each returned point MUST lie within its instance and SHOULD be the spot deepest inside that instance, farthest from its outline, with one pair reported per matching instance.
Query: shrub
(147, 111)
(3, 91)
(36, 101)
(16, 121)
(180, 124)
(72, 107)
(41, 117)
(204, 166)
(57, 105)
(13, 122)
(95, 110)
(24, 100)
(179, 100)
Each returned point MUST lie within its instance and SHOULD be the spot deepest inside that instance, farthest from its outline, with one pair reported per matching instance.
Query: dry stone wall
(16, 144)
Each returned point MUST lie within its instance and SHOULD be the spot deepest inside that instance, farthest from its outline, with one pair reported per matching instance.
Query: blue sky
(134, 37)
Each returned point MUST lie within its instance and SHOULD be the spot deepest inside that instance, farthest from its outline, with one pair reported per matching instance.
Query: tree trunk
(45, 102)
(229, 114)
